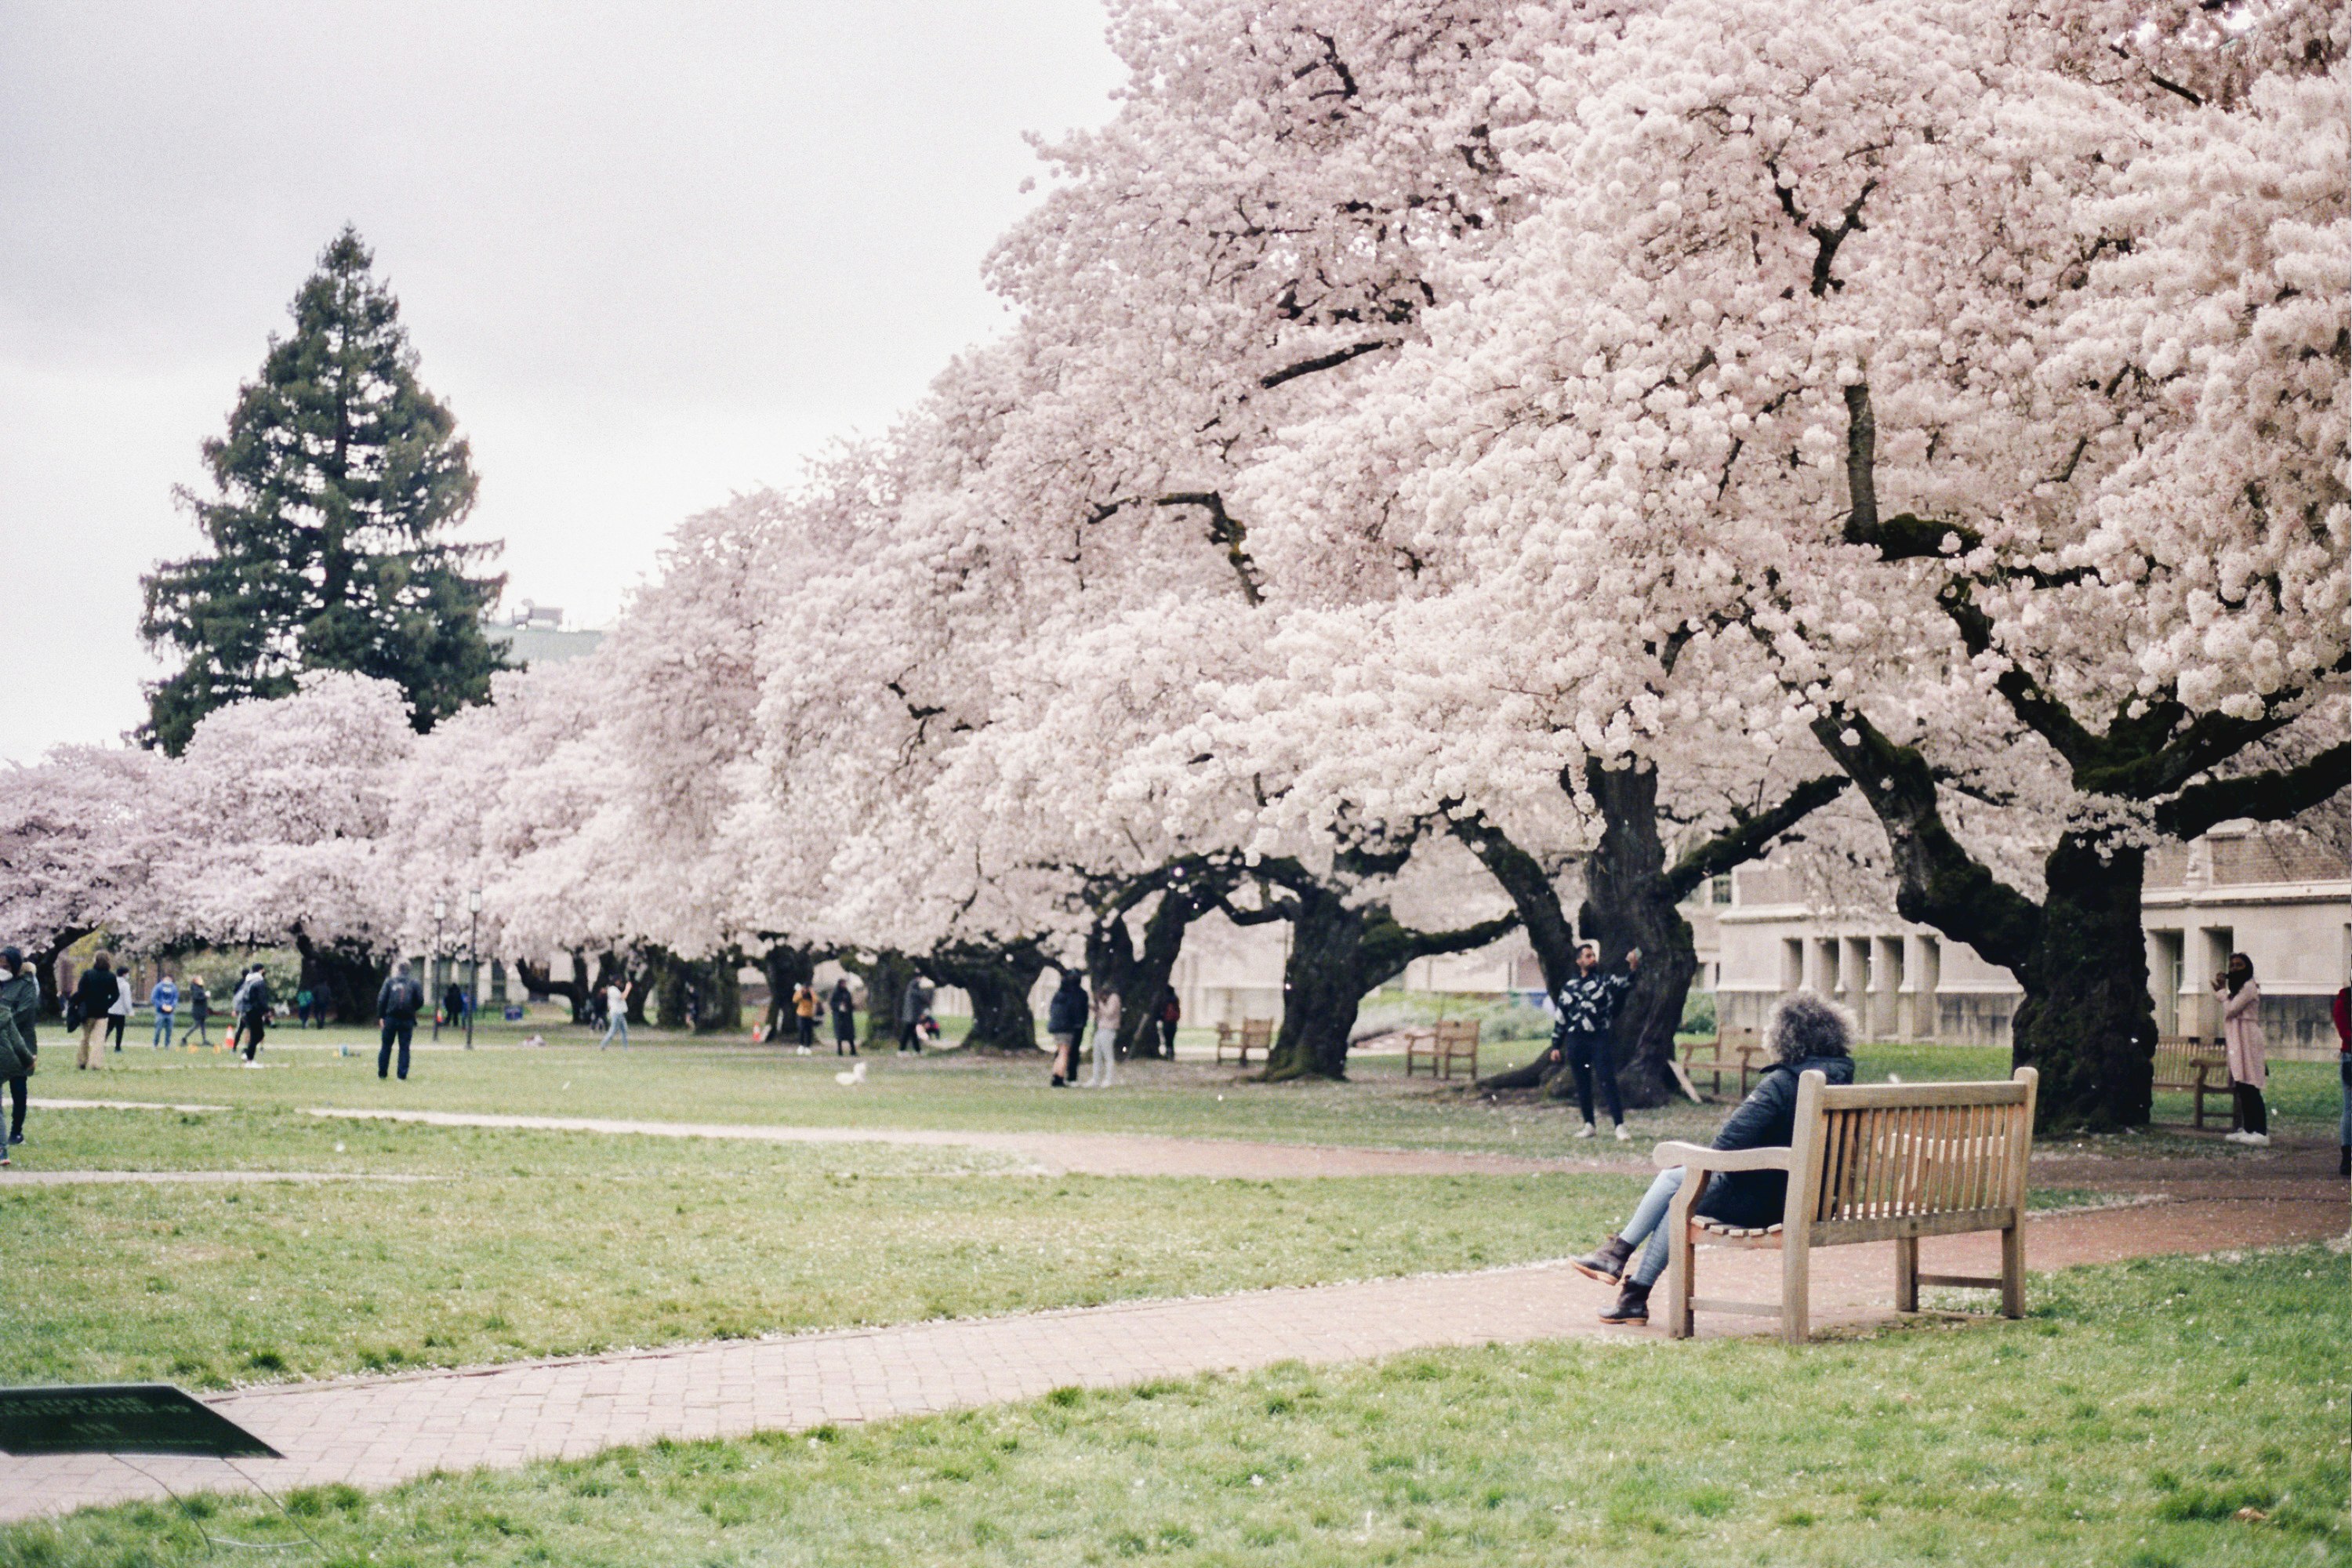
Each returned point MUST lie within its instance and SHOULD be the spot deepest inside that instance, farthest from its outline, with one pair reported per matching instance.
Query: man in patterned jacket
(1588, 1005)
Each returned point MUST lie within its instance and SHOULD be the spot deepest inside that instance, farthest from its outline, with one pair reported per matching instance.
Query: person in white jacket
(1106, 1037)
(616, 1016)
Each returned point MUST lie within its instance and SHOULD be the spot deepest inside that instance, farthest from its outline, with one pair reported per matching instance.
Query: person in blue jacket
(1807, 1034)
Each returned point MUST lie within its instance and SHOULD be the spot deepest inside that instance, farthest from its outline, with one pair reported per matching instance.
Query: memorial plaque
(120, 1418)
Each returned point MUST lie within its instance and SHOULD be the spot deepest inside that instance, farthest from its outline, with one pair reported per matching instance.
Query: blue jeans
(619, 1025)
(399, 1031)
(163, 1030)
(1648, 1220)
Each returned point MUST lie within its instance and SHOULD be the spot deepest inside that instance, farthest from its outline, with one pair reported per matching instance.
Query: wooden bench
(1251, 1034)
(1738, 1050)
(1444, 1043)
(1870, 1162)
(2185, 1064)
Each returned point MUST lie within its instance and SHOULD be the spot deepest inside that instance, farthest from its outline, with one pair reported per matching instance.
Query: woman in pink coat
(2241, 1028)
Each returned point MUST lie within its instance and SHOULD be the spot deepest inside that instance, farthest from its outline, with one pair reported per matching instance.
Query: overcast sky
(651, 254)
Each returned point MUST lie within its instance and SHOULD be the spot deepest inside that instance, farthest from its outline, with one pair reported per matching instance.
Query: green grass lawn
(2157, 1415)
(527, 1244)
(670, 1079)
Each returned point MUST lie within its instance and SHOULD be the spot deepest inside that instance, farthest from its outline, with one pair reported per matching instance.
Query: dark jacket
(397, 1000)
(20, 999)
(257, 1000)
(200, 1001)
(845, 1011)
(1767, 1119)
(1067, 1013)
(94, 993)
(915, 1002)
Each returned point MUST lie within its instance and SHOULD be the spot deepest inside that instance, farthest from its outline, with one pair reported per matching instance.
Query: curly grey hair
(1807, 1024)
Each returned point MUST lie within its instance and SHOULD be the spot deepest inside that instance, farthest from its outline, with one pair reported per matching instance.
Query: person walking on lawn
(253, 1003)
(20, 1000)
(1066, 1020)
(1106, 1011)
(16, 1055)
(1172, 1013)
(200, 1013)
(914, 1006)
(845, 1018)
(1588, 1007)
(237, 1007)
(617, 1016)
(166, 999)
(94, 998)
(805, 1008)
(2342, 1012)
(2242, 1032)
(1806, 1033)
(118, 1012)
(397, 1003)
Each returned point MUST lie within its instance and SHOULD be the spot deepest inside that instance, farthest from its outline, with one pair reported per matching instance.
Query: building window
(1718, 888)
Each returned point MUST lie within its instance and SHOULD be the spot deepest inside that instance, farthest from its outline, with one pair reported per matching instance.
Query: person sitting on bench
(1807, 1032)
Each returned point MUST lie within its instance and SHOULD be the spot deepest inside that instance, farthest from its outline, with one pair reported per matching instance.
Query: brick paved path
(374, 1432)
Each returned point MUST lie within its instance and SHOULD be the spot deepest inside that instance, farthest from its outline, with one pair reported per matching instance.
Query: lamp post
(433, 972)
(473, 960)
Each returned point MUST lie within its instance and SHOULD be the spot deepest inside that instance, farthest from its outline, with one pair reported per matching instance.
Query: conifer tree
(330, 541)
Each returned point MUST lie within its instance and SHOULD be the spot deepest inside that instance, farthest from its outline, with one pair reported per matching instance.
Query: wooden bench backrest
(1457, 1032)
(2176, 1056)
(1909, 1158)
(1258, 1034)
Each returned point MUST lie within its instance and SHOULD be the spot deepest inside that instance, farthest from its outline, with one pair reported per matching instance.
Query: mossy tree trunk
(1342, 944)
(886, 975)
(998, 980)
(1186, 889)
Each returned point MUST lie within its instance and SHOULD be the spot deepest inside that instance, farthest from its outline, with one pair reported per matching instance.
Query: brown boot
(1608, 1263)
(1633, 1305)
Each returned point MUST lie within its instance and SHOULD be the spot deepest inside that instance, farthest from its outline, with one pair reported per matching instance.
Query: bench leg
(1678, 1278)
(1796, 1286)
(1906, 1273)
(2012, 1271)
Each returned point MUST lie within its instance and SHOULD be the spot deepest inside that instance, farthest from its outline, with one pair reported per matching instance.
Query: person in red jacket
(2344, 1066)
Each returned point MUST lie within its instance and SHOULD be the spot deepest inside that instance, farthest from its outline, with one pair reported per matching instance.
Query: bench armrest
(1692, 1156)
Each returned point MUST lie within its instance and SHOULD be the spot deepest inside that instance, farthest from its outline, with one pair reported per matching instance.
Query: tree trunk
(1532, 893)
(886, 976)
(541, 982)
(1111, 966)
(998, 980)
(785, 968)
(1139, 1033)
(1629, 903)
(706, 990)
(45, 970)
(1323, 986)
(2087, 1022)
(346, 980)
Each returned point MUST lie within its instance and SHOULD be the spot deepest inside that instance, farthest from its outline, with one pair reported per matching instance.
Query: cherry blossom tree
(79, 838)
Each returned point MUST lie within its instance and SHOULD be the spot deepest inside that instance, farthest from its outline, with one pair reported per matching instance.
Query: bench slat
(1857, 1096)
(1889, 1227)
(1962, 1281)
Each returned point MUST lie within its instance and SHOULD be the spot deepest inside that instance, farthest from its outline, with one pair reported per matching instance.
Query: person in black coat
(1066, 1020)
(1807, 1034)
(843, 1006)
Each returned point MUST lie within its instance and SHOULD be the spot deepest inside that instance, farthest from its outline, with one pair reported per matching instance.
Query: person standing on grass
(94, 998)
(20, 1001)
(1066, 1020)
(1171, 1013)
(1106, 1011)
(914, 1006)
(396, 1005)
(253, 1012)
(1588, 1007)
(617, 1016)
(118, 1012)
(2242, 1032)
(166, 999)
(845, 1018)
(200, 1012)
(236, 1008)
(2342, 1012)
(805, 1008)
(15, 1055)
(1807, 1034)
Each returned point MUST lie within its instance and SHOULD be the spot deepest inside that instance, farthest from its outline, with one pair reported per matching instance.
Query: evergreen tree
(338, 486)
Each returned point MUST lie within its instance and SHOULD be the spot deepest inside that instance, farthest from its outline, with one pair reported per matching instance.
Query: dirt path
(377, 1432)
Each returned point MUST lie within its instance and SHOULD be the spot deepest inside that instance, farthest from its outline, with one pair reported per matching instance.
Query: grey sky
(651, 254)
